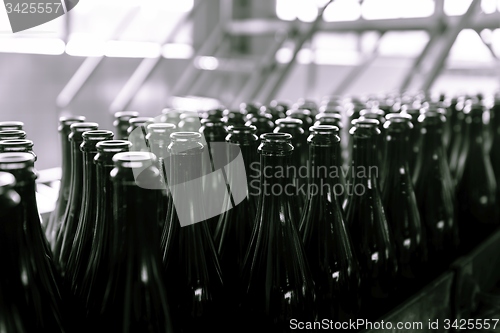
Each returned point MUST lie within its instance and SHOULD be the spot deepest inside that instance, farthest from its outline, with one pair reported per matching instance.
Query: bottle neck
(323, 163)
(65, 159)
(26, 188)
(89, 179)
(276, 178)
(364, 169)
(76, 171)
(397, 153)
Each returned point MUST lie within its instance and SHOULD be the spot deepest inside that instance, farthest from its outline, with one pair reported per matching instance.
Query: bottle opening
(235, 129)
(138, 121)
(161, 127)
(185, 136)
(289, 122)
(133, 159)
(16, 143)
(324, 129)
(13, 161)
(11, 125)
(113, 145)
(97, 135)
(276, 137)
(68, 120)
(398, 117)
(12, 134)
(122, 115)
(365, 122)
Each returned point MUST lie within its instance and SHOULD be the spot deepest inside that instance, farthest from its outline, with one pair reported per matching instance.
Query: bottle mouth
(68, 120)
(324, 129)
(7, 181)
(289, 122)
(336, 116)
(113, 146)
(13, 143)
(133, 160)
(138, 121)
(245, 129)
(185, 137)
(16, 161)
(97, 135)
(126, 115)
(161, 128)
(398, 122)
(365, 122)
(83, 127)
(372, 113)
(431, 117)
(398, 117)
(299, 111)
(212, 122)
(276, 137)
(11, 125)
(12, 134)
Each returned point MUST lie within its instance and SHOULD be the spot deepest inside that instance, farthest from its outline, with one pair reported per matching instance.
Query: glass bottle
(64, 187)
(367, 223)
(65, 230)
(378, 114)
(93, 285)
(435, 194)
(12, 135)
(299, 160)
(170, 116)
(415, 138)
(233, 117)
(304, 115)
(495, 146)
(79, 251)
(190, 258)
(476, 189)
(135, 297)
(262, 121)
(234, 227)
(30, 271)
(189, 122)
(277, 284)
(11, 317)
(121, 123)
(278, 109)
(213, 136)
(400, 204)
(158, 139)
(11, 125)
(327, 244)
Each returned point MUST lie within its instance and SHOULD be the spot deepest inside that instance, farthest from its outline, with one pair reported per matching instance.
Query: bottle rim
(11, 124)
(324, 129)
(12, 133)
(97, 135)
(160, 127)
(16, 142)
(289, 122)
(237, 129)
(276, 137)
(15, 161)
(133, 159)
(140, 120)
(120, 115)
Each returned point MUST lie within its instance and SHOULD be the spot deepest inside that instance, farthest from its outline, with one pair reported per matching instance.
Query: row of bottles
(345, 243)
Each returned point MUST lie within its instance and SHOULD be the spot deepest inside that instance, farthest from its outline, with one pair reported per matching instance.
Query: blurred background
(144, 55)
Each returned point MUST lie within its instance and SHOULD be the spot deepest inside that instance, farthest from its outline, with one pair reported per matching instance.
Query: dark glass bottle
(233, 118)
(278, 109)
(121, 123)
(303, 114)
(234, 227)
(327, 244)
(400, 203)
(435, 194)
(495, 146)
(277, 284)
(250, 109)
(378, 114)
(11, 317)
(308, 104)
(135, 297)
(478, 209)
(262, 121)
(65, 230)
(12, 135)
(367, 223)
(64, 187)
(333, 119)
(457, 147)
(11, 125)
(415, 138)
(195, 285)
(93, 285)
(29, 269)
(299, 160)
(158, 139)
(213, 137)
(79, 251)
